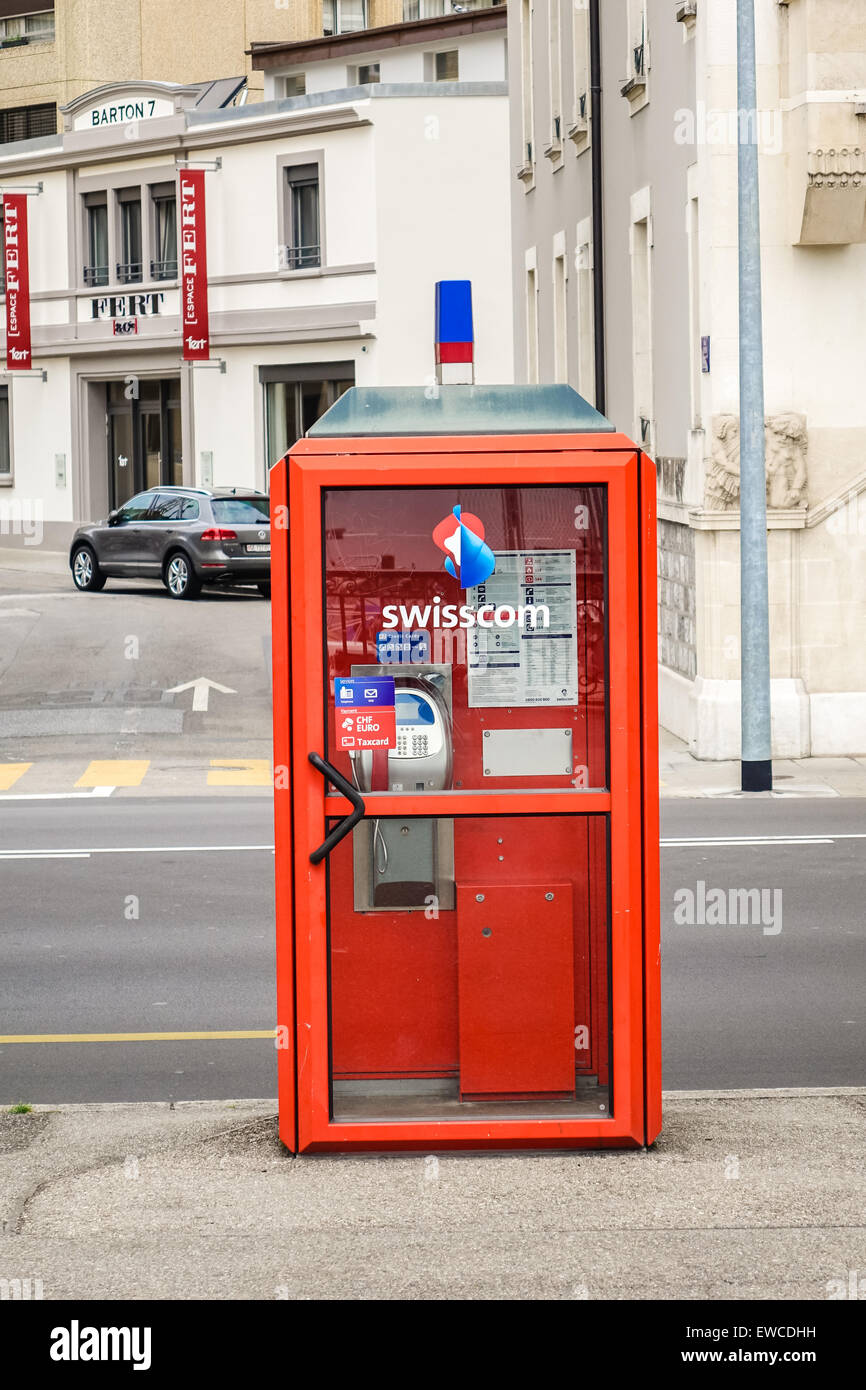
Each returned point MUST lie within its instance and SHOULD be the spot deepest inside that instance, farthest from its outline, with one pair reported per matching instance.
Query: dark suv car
(185, 536)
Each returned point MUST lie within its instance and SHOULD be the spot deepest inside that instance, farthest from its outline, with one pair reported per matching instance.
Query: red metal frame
(631, 802)
(283, 869)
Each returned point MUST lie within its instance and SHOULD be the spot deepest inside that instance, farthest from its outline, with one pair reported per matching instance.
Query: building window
(295, 398)
(637, 55)
(446, 67)
(27, 28)
(580, 49)
(5, 437)
(130, 266)
(695, 352)
(432, 9)
(295, 85)
(96, 211)
(526, 88)
(642, 333)
(28, 122)
(560, 311)
(554, 20)
(585, 312)
(304, 249)
(368, 72)
(343, 16)
(532, 375)
(40, 27)
(164, 197)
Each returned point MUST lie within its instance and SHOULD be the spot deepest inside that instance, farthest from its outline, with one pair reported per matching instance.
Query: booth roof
(402, 411)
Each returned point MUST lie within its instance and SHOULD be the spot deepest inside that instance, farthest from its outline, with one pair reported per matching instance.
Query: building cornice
(270, 120)
(183, 139)
(418, 31)
(285, 324)
(778, 519)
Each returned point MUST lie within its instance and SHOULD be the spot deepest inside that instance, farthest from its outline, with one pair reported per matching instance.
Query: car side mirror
(113, 518)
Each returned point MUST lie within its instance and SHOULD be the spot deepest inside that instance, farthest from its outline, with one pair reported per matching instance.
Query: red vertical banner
(193, 254)
(16, 270)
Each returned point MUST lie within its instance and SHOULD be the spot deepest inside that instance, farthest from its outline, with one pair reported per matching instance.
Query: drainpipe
(597, 207)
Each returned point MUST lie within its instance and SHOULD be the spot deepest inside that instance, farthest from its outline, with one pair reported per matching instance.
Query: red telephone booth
(466, 773)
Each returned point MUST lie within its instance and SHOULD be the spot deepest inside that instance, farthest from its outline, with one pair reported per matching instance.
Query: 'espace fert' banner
(193, 266)
(16, 269)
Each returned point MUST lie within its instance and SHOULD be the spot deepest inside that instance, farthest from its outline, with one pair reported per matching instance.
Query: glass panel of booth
(477, 618)
(469, 969)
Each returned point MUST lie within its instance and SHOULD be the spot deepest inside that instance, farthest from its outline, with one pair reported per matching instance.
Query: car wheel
(86, 574)
(180, 578)
(264, 589)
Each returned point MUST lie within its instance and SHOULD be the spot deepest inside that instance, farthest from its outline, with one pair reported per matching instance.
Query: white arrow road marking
(201, 688)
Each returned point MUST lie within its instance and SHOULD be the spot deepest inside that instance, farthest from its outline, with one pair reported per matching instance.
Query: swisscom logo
(471, 562)
(462, 538)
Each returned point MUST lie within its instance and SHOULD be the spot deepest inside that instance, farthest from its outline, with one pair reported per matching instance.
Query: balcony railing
(163, 270)
(129, 273)
(303, 257)
(96, 275)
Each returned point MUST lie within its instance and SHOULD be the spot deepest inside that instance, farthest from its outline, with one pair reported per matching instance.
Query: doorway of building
(144, 436)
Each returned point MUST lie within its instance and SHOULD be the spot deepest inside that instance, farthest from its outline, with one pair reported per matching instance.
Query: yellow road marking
(10, 772)
(131, 1037)
(125, 772)
(240, 772)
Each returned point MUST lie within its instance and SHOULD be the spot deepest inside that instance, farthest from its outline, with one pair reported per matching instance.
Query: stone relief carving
(723, 475)
(786, 442)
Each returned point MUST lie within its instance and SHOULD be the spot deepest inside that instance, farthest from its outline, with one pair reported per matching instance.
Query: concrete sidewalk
(682, 775)
(33, 558)
(747, 1194)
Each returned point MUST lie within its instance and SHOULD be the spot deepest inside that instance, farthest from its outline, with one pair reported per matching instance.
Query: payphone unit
(408, 865)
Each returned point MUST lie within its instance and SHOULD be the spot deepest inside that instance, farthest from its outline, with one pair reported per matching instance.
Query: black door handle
(348, 823)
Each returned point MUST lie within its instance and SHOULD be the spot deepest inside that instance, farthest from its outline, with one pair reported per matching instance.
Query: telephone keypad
(412, 745)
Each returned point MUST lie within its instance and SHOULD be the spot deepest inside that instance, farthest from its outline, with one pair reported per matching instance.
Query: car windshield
(250, 510)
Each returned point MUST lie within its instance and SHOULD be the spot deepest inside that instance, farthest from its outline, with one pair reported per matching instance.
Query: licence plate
(258, 550)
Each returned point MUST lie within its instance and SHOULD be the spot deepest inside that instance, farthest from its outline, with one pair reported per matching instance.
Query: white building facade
(331, 214)
(665, 110)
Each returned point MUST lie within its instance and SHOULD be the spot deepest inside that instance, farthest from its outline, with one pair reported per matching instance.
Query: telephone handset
(422, 759)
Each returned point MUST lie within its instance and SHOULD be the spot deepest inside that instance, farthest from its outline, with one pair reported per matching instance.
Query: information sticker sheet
(525, 664)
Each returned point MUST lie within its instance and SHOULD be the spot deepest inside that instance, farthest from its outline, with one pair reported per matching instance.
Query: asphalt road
(98, 673)
(174, 933)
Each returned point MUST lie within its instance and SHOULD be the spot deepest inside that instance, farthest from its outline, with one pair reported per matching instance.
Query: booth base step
(427, 1099)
